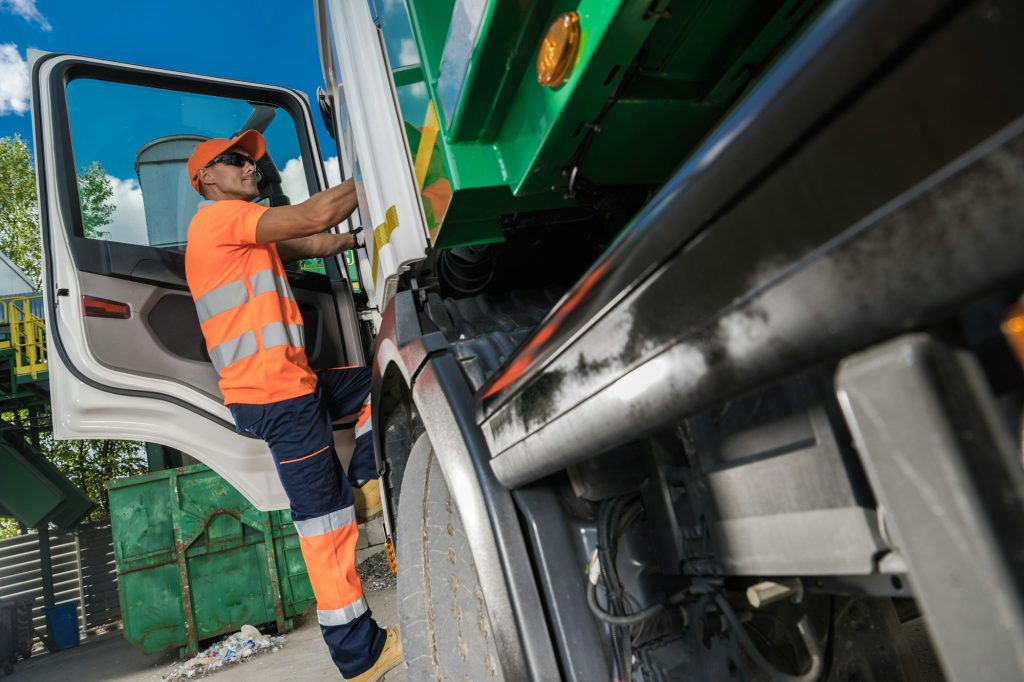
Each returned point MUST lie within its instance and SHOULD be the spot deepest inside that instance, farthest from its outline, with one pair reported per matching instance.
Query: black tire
(446, 631)
(401, 429)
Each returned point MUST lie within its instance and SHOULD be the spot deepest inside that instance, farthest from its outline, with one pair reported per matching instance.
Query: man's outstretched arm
(315, 246)
(314, 215)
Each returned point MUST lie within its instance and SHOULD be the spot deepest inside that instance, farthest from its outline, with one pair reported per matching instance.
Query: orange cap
(250, 141)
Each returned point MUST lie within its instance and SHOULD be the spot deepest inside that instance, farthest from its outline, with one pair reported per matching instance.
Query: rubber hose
(619, 621)
(803, 626)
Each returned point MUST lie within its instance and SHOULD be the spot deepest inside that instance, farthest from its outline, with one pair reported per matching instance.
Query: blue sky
(265, 41)
(262, 41)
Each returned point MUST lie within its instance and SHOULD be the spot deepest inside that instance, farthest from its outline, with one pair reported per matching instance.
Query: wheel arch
(415, 370)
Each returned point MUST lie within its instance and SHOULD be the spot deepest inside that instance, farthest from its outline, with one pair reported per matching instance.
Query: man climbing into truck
(254, 335)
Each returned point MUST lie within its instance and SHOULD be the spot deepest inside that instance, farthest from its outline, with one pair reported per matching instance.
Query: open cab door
(127, 357)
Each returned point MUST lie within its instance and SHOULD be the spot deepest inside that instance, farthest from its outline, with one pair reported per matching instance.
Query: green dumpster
(196, 560)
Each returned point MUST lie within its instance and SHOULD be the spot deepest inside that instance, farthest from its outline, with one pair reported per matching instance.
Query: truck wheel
(446, 631)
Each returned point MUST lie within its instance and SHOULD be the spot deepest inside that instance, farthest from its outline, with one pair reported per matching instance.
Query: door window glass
(131, 145)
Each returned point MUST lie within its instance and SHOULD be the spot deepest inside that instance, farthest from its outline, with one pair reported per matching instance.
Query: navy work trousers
(301, 439)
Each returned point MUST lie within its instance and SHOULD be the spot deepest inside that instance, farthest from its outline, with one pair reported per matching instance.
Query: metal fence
(24, 332)
(83, 569)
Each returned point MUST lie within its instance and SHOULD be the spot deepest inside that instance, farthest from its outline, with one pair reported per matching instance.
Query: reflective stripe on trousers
(339, 594)
(364, 424)
(300, 435)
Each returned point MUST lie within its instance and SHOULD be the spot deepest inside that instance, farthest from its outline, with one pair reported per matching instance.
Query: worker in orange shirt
(254, 335)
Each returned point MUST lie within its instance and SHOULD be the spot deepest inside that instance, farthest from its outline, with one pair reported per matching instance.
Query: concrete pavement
(110, 658)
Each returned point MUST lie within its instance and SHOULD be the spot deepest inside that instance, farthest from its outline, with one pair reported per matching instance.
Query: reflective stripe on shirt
(279, 334)
(233, 295)
(231, 351)
(221, 300)
(265, 281)
(262, 282)
(240, 287)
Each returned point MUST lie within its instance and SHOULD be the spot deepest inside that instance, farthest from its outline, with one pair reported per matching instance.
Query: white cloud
(14, 90)
(293, 178)
(26, 9)
(407, 53)
(293, 181)
(333, 171)
(128, 224)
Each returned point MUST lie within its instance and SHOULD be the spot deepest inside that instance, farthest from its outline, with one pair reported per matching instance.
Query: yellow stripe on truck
(381, 236)
(426, 147)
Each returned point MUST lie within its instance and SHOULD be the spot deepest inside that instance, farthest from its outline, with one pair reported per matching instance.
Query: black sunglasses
(232, 159)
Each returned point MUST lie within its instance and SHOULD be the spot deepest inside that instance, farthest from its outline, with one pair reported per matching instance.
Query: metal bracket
(940, 460)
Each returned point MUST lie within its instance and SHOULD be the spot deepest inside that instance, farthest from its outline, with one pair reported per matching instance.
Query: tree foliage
(89, 464)
(95, 193)
(19, 211)
(9, 528)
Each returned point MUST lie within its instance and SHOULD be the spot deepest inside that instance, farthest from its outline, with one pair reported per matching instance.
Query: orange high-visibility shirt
(246, 308)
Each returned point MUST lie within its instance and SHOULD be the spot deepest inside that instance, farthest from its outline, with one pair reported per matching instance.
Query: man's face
(233, 181)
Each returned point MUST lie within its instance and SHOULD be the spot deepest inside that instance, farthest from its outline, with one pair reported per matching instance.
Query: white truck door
(372, 141)
(127, 358)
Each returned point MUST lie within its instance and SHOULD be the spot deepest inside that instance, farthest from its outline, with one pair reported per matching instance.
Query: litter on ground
(232, 649)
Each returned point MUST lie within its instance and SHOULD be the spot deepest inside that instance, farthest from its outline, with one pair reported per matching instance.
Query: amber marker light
(558, 51)
(1013, 330)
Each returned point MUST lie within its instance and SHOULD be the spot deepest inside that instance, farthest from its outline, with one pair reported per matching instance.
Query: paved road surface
(111, 659)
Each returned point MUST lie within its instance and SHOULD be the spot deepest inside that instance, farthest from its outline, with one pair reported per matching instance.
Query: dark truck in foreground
(774, 432)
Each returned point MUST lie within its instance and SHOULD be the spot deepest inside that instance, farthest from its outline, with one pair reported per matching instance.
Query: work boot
(367, 500)
(390, 656)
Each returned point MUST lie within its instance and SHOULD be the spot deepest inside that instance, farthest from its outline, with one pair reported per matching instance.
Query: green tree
(19, 211)
(9, 528)
(89, 464)
(95, 193)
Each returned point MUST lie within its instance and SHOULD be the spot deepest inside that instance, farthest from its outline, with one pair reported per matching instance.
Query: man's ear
(206, 178)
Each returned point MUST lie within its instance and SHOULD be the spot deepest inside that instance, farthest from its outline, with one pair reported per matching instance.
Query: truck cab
(695, 327)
